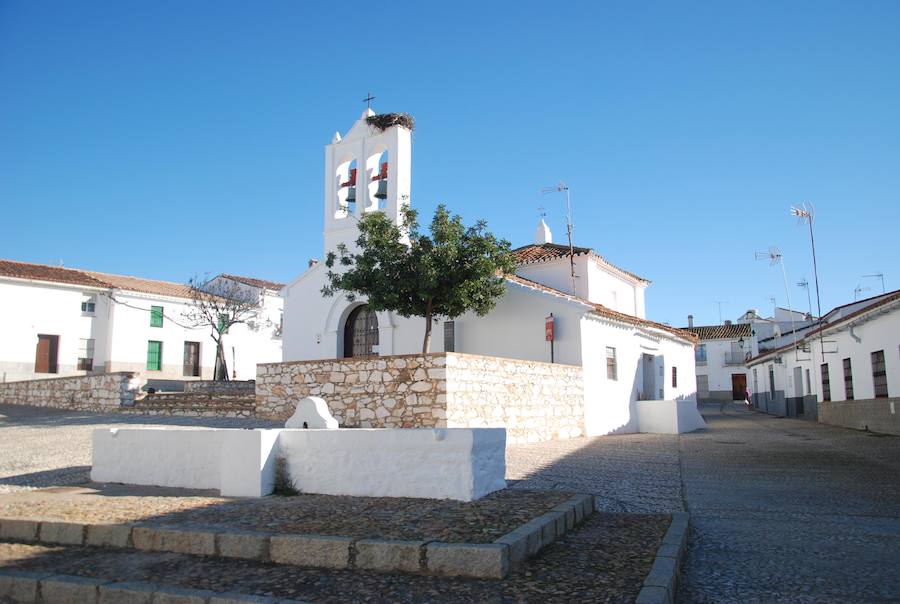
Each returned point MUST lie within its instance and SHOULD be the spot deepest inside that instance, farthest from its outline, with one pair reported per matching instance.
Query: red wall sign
(548, 329)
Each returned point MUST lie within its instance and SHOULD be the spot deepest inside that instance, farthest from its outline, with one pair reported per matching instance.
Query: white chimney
(542, 233)
(690, 320)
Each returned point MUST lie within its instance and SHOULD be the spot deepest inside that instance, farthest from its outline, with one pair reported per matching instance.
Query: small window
(826, 383)
(879, 374)
(449, 336)
(674, 377)
(156, 316)
(88, 305)
(848, 380)
(222, 325)
(612, 370)
(86, 354)
(808, 383)
(154, 355)
(700, 354)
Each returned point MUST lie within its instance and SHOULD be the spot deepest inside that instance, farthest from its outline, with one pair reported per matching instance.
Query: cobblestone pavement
(786, 510)
(782, 510)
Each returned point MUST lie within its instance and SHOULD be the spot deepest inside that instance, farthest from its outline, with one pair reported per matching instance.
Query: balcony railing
(700, 361)
(734, 358)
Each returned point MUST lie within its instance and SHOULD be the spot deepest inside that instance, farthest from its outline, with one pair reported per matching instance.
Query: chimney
(312, 262)
(727, 322)
(690, 320)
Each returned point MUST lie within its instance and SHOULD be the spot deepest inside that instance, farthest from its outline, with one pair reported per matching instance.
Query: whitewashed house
(845, 370)
(721, 359)
(59, 321)
(599, 320)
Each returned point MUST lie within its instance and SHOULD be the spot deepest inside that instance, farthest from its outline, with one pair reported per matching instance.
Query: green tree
(454, 270)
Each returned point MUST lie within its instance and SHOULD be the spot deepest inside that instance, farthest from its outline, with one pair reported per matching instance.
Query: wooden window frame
(847, 365)
(826, 382)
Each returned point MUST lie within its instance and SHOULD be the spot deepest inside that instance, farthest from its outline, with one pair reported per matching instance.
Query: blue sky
(167, 139)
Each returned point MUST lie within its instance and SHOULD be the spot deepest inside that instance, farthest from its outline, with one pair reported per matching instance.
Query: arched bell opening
(361, 332)
(377, 166)
(345, 177)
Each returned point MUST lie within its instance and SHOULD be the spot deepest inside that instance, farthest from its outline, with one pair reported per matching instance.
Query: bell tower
(366, 170)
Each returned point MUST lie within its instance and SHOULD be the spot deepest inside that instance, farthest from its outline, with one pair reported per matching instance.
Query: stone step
(194, 404)
(478, 560)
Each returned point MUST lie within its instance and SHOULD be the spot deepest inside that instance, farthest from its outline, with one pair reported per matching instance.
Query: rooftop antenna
(858, 290)
(876, 276)
(775, 256)
(804, 284)
(807, 213)
(559, 189)
(720, 303)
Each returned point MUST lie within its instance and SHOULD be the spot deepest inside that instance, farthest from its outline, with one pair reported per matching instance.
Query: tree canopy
(452, 270)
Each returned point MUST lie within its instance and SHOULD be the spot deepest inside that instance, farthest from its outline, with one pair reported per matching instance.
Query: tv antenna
(774, 256)
(559, 188)
(858, 290)
(720, 303)
(879, 276)
(804, 284)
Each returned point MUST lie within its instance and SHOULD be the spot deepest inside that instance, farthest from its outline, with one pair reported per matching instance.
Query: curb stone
(30, 587)
(661, 583)
(479, 560)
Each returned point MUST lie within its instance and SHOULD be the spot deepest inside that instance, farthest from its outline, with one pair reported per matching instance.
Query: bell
(351, 195)
(381, 193)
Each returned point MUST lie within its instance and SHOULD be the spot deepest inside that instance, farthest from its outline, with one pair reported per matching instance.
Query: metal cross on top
(368, 100)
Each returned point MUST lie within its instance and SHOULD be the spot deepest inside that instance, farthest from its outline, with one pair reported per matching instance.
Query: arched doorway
(361, 333)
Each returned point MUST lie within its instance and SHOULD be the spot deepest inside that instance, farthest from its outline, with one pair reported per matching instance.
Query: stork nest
(383, 121)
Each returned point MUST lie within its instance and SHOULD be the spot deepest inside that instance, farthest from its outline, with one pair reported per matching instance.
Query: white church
(598, 316)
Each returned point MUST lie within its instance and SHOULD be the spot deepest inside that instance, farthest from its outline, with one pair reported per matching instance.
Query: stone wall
(877, 415)
(233, 387)
(194, 405)
(102, 392)
(534, 401)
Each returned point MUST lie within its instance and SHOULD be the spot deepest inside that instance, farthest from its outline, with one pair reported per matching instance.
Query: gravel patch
(605, 560)
(394, 518)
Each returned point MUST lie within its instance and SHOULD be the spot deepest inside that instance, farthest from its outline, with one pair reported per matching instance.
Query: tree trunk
(221, 371)
(426, 345)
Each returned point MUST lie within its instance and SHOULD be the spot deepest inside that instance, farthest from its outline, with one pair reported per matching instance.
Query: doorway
(649, 371)
(47, 354)
(361, 333)
(191, 359)
(738, 386)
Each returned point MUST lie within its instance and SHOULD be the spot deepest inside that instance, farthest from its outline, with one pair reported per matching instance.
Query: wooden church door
(361, 333)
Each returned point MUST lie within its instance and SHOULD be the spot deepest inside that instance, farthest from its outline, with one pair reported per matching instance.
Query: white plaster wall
(313, 326)
(558, 275)
(669, 417)
(610, 405)
(719, 373)
(614, 292)
(29, 309)
(453, 463)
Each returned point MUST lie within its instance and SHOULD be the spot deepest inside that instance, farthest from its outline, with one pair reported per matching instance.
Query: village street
(781, 510)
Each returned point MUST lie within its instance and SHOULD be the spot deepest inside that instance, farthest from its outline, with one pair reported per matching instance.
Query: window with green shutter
(154, 355)
(156, 316)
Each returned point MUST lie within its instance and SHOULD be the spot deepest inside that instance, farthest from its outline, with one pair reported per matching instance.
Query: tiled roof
(721, 332)
(45, 272)
(260, 283)
(886, 299)
(543, 252)
(603, 311)
(72, 276)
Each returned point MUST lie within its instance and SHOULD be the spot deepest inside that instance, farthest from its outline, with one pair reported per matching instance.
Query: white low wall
(450, 463)
(455, 463)
(238, 463)
(668, 417)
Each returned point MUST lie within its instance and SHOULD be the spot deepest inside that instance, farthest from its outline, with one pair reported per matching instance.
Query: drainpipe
(853, 335)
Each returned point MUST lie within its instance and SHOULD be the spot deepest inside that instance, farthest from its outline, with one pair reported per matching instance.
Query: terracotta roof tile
(45, 272)
(721, 332)
(603, 311)
(146, 286)
(260, 283)
(529, 254)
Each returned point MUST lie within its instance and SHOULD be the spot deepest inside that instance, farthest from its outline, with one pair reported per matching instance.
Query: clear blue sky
(167, 139)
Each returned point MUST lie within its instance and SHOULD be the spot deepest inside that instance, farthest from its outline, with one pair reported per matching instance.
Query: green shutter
(154, 355)
(156, 316)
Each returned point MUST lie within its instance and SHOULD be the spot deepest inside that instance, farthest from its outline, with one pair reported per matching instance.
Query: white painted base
(668, 417)
(456, 463)
(313, 412)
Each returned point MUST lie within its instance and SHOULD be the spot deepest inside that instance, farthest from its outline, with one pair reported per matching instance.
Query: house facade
(597, 314)
(721, 357)
(845, 370)
(62, 322)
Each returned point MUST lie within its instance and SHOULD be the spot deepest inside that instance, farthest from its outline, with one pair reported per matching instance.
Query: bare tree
(218, 304)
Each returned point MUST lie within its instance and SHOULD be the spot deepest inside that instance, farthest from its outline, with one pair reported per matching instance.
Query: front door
(649, 371)
(192, 359)
(738, 386)
(361, 333)
(47, 354)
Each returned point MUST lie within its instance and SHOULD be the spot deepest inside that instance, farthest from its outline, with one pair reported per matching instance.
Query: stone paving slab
(605, 559)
